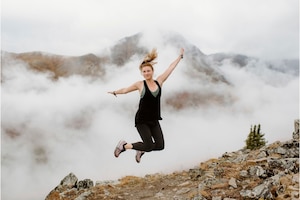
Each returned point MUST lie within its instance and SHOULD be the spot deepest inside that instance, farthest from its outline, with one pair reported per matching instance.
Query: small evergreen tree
(255, 138)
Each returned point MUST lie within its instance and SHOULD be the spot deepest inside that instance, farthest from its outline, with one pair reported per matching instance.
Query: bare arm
(163, 77)
(133, 87)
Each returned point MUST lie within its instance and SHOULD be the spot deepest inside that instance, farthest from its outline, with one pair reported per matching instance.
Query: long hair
(149, 58)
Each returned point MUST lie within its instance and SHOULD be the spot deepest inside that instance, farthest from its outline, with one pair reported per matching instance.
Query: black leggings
(152, 136)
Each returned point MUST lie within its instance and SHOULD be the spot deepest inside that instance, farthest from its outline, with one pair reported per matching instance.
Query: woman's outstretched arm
(133, 87)
(163, 77)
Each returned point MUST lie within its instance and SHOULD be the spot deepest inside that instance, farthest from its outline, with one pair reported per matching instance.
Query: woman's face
(147, 72)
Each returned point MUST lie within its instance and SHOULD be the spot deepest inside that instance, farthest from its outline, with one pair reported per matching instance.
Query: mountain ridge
(122, 51)
(200, 68)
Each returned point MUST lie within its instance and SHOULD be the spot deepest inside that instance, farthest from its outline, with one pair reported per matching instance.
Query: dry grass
(131, 180)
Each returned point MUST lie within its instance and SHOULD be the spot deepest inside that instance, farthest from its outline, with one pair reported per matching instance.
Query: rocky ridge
(271, 172)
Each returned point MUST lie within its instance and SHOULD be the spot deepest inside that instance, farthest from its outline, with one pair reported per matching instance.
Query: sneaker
(120, 148)
(138, 156)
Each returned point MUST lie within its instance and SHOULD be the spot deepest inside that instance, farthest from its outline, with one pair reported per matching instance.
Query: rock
(296, 131)
(232, 183)
(246, 194)
(69, 181)
(218, 172)
(292, 149)
(159, 195)
(256, 171)
(83, 196)
(280, 150)
(195, 174)
(227, 155)
(183, 191)
(203, 194)
(295, 178)
(262, 154)
(107, 182)
(244, 173)
(240, 158)
(263, 191)
(275, 179)
(70, 185)
(85, 184)
(184, 184)
(290, 165)
(260, 191)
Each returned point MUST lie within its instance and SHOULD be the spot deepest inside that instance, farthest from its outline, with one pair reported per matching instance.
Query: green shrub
(255, 138)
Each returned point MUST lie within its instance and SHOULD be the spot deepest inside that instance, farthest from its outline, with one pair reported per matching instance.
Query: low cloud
(51, 128)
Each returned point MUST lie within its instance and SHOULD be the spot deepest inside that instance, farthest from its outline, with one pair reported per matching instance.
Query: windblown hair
(149, 58)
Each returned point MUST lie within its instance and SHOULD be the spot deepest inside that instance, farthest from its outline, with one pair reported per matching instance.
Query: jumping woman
(148, 114)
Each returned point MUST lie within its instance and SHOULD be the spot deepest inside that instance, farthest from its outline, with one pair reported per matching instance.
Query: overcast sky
(262, 28)
(79, 136)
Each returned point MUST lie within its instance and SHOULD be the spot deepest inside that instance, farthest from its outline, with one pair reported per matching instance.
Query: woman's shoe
(120, 148)
(138, 156)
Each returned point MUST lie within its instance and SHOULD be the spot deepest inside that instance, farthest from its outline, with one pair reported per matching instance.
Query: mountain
(120, 54)
(284, 66)
(271, 172)
(91, 65)
(57, 65)
(205, 71)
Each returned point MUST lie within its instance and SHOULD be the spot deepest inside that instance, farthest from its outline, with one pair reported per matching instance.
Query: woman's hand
(181, 52)
(114, 93)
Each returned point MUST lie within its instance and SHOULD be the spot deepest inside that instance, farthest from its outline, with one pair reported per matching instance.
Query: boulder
(296, 131)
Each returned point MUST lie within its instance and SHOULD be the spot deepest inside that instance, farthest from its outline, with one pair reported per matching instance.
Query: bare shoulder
(139, 85)
(159, 80)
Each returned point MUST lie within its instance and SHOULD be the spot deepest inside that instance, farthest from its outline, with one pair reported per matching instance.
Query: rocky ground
(271, 172)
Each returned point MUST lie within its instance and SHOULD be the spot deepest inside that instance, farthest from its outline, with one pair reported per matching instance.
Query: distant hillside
(202, 70)
(120, 54)
(57, 65)
(284, 66)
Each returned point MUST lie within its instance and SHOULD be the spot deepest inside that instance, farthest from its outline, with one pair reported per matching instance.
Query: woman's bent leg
(158, 137)
(145, 132)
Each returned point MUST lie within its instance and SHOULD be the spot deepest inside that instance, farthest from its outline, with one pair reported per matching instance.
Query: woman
(148, 114)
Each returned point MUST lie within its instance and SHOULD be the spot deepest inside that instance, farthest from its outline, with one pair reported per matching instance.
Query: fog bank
(50, 128)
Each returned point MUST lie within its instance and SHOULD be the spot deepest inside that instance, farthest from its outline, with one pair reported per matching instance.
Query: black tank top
(149, 106)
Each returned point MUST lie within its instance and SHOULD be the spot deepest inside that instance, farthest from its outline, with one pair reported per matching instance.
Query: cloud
(51, 128)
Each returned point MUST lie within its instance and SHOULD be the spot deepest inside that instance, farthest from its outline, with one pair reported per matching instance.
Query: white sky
(262, 28)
